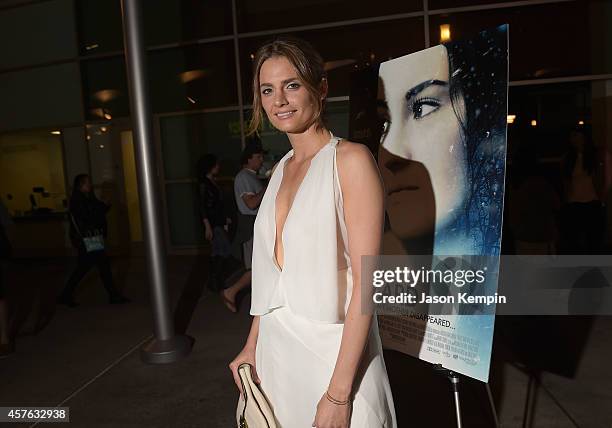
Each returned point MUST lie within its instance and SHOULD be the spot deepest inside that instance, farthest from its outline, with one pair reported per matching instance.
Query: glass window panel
(193, 77)
(105, 88)
(40, 97)
(102, 154)
(100, 26)
(352, 47)
(165, 21)
(555, 108)
(185, 138)
(168, 21)
(37, 33)
(544, 116)
(32, 171)
(183, 215)
(76, 157)
(107, 175)
(549, 40)
(256, 15)
(538, 141)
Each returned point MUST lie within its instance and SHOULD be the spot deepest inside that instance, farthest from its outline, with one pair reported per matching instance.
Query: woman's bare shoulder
(353, 156)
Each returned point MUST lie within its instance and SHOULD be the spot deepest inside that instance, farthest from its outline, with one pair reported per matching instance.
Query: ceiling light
(191, 75)
(445, 33)
(106, 95)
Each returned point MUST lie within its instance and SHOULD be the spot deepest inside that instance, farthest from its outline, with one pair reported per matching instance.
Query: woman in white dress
(316, 354)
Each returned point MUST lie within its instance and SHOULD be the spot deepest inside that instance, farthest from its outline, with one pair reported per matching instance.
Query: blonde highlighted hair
(310, 71)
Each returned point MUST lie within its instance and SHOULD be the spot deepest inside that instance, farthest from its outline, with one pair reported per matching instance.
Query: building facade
(65, 109)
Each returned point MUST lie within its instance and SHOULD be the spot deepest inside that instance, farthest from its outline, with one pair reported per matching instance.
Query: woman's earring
(385, 131)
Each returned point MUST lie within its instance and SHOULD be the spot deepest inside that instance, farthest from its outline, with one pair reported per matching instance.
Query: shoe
(7, 349)
(118, 300)
(68, 301)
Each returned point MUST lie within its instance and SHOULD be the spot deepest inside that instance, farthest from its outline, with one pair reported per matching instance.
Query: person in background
(88, 229)
(7, 345)
(248, 191)
(214, 219)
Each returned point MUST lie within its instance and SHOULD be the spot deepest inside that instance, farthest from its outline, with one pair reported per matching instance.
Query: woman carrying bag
(88, 232)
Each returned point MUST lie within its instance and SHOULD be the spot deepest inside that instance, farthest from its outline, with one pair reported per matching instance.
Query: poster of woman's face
(442, 155)
(443, 144)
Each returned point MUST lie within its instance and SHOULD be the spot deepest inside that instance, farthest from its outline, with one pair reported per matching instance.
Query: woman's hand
(247, 355)
(330, 415)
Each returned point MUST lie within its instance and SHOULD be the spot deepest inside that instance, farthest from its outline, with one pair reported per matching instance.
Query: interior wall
(31, 160)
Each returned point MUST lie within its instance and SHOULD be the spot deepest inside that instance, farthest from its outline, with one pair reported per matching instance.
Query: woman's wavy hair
(308, 65)
(478, 76)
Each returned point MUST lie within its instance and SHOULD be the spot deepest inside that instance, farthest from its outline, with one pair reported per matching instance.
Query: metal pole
(238, 75)
(454, 380)
(166, 347)
(492, 404)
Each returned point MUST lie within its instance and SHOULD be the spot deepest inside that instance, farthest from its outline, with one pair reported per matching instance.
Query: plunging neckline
(297, 193)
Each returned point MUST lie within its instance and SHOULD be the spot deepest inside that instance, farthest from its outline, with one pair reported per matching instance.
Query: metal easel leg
(492, 404)
(454, 380)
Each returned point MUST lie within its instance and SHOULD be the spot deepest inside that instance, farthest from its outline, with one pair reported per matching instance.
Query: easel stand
(454, 380)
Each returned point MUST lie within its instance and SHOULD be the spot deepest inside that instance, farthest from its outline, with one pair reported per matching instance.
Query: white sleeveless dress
(302, 306)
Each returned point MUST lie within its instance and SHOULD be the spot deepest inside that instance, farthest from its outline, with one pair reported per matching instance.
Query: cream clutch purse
(254, 410)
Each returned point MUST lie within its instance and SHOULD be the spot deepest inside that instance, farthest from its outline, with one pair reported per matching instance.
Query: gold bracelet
(335, 401)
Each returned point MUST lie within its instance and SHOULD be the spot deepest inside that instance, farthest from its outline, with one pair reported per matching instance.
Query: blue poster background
(441, 137)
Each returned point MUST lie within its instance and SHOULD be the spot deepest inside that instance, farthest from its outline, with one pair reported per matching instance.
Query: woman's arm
(362, 192)
(251, 341)
(204, 211)
(247, 355)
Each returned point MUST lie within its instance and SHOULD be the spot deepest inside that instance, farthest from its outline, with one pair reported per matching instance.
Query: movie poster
(442, 149)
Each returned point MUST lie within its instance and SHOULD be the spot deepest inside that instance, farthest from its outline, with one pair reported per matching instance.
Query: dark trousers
(84, 264)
